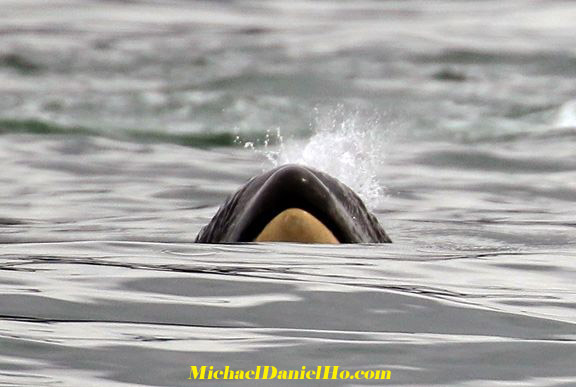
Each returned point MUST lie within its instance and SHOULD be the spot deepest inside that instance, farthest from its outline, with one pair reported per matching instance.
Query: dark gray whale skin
(243, 216)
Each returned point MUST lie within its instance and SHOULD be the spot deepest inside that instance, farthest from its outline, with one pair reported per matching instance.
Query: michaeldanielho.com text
(271, 373)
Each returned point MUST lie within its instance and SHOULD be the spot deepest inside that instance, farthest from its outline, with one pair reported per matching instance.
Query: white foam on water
(348, 146)
(566, 117)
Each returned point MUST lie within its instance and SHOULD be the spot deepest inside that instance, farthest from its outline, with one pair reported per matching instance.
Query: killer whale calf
(293, 203)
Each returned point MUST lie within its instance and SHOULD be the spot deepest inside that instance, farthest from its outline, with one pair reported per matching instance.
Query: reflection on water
(117, 124)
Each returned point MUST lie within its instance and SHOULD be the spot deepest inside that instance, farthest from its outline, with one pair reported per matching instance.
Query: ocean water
(125, 124)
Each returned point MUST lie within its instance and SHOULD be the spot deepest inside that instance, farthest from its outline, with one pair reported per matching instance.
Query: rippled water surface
(118, 141)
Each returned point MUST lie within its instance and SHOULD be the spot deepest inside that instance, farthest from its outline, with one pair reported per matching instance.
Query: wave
(195, 140)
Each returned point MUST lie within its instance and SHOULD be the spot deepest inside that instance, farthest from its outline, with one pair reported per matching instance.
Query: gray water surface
(117, 128)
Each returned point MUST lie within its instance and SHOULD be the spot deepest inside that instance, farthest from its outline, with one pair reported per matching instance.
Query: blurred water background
(124, 124)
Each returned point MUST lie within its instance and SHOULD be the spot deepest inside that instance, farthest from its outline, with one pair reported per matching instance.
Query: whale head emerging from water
(293, 203)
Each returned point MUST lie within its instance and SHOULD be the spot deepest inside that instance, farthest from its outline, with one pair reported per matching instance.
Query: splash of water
(347, 146)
